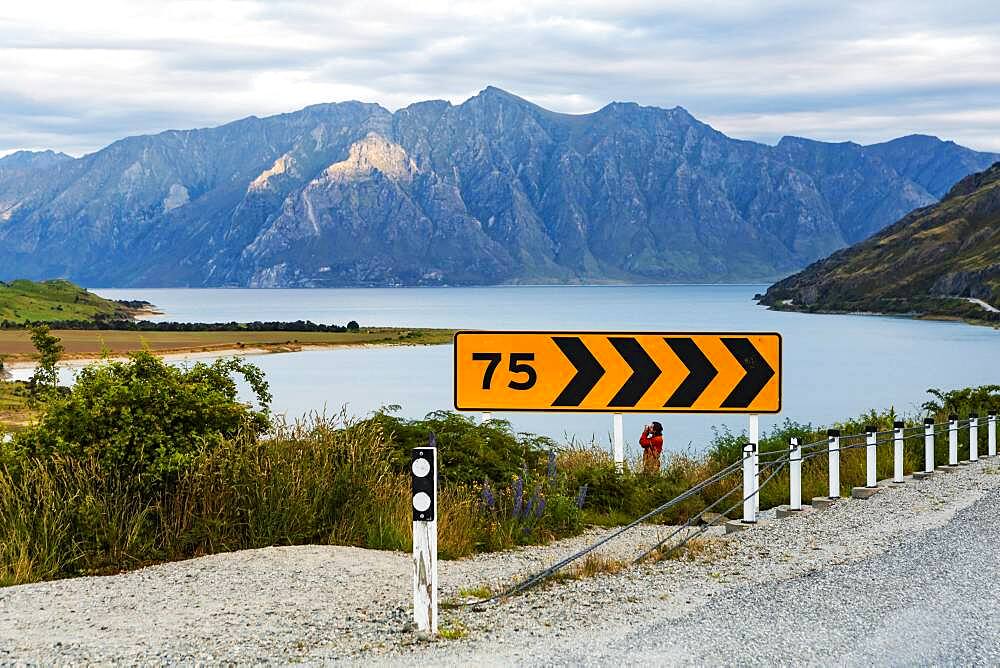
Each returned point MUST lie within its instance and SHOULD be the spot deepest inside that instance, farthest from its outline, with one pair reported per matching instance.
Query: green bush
(147, 418)
(468, 452)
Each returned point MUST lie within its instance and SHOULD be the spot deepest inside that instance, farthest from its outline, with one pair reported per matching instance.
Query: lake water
(834, 366)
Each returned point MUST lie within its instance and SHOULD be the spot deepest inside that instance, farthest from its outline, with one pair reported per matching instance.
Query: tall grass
(337, 481)
(317, 481)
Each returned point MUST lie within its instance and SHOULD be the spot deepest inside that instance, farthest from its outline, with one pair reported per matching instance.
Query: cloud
(80, 75)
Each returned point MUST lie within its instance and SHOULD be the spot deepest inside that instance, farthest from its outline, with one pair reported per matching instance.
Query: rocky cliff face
(493, 190)
(933, 261)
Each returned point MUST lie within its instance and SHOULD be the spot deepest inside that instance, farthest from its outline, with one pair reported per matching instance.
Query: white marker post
(749, 484)
(794, 475)
(424, 483)
(897, 452)
(754, 434)
(952, 440)
(618, 441)
(991, 435)
(928, 445)
(834, 448)
(974, 437)
(870, 457)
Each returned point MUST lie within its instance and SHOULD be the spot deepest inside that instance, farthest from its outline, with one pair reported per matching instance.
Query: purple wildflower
(581, 495)
(518, 495)
(532, 503)
(488, 497)
(540, 508)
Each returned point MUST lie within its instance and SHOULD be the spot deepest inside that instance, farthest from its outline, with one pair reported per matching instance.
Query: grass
(343, 482)
(29, 301)
(702, 550)
(15, 344)
(15, 410)
(479, 592)
(452, 629)
(592, 565)
(320, 481)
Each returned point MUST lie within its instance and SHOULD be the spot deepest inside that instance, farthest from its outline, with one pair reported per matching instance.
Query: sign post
(618, 442)
(423, 468)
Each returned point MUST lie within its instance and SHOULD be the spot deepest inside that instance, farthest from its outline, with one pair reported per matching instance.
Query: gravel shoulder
(322, 604)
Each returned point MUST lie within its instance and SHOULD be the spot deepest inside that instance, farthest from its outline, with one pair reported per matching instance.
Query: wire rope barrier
(776, 460)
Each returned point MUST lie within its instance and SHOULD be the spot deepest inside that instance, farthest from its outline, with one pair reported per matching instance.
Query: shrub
(468, 453)
(147, 418)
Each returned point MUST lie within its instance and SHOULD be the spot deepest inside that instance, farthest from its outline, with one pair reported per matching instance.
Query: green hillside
(938, 261)
(29, 301)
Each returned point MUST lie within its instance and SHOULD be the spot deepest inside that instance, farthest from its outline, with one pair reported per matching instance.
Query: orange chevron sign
(612, 372)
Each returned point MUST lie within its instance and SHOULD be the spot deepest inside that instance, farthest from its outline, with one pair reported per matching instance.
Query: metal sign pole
(618, 442)
(424, 485)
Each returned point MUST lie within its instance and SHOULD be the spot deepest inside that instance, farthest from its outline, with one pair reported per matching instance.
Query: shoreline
(194, 354)
(915, 315)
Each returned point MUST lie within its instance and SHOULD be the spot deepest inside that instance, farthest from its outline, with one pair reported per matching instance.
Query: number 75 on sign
(688, 372)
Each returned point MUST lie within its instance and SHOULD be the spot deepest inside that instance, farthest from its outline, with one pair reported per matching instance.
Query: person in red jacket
(652, 445)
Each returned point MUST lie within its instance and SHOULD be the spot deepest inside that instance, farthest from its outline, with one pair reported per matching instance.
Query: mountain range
(494, 190)
(942, 260)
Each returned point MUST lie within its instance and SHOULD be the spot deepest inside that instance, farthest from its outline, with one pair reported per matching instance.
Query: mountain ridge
(502, 191)
(942, 260)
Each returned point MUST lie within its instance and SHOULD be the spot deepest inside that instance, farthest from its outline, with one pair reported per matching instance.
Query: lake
(834, 365)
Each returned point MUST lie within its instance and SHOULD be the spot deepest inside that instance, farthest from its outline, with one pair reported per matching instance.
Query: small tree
(50, 349)
(146, 418)
(353, 326)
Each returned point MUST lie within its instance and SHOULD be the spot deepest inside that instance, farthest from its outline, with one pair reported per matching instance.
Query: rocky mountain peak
(373, 153)
(495, 189)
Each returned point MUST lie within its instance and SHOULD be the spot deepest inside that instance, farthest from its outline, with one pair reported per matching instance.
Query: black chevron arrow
(588, 371)
(758, 372)
(644, 371)
(700, 373)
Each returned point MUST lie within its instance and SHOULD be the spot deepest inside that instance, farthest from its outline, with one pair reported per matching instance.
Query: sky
(79, 75)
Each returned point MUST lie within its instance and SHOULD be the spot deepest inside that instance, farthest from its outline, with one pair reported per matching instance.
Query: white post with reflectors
(870, 457)
(928, 445)
(974, 437)
(794, 475)
(991, 435)
(833, 446)
(618, 441)
(952, 440)
(754, 434)
(897, 451)
(423, 469)
(749, 484)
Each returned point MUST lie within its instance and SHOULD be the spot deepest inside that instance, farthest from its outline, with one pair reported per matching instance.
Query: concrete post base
(823, 502)
(732, 526)
(781, 512)
(922, 475)
(864, 492)
(948, 468)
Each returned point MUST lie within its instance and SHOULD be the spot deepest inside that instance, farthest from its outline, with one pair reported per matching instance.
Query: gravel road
(895, 579)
